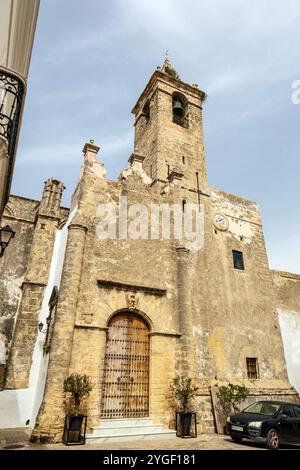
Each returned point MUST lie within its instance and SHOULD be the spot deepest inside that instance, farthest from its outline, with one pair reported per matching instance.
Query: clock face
(220, 221)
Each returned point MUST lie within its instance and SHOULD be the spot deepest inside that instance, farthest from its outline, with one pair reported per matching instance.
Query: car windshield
(262, 408)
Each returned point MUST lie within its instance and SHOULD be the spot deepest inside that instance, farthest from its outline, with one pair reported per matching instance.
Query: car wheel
(236, 439)
(272, 439)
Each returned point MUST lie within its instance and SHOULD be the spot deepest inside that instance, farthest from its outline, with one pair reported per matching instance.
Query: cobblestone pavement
(203, 442)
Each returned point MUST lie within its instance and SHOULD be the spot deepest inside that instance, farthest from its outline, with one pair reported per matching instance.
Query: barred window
(252, 368)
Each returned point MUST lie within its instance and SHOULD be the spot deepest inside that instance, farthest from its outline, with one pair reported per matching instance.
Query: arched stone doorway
(125, 391)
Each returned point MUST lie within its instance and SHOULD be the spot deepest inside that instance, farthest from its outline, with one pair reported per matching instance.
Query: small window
(168, 168)
(238, 260)
(183, 160)
(252, 368)
(183, 205)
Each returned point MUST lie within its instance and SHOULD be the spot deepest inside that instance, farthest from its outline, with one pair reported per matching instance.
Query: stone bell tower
(169, 131)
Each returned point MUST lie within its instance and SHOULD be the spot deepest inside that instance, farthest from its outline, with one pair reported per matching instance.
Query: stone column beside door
(50, 420)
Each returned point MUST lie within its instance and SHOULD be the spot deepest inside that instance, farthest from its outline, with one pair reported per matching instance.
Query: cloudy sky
(92, 59)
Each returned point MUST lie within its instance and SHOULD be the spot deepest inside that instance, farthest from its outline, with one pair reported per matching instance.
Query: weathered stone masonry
(204, 316)
(26, 267)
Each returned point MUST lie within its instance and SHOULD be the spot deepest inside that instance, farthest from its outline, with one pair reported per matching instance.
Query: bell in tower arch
(178, 107)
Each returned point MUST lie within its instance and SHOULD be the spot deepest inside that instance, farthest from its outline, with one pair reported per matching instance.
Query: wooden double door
(125, 392)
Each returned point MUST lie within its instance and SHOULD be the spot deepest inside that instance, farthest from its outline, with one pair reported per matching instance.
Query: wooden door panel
(126, 373)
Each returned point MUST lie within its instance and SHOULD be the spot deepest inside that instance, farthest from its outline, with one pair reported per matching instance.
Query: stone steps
(131, 429)
(124, 422)
(127, 430)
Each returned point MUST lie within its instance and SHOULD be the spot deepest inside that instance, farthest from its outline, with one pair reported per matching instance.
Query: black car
(270, 422)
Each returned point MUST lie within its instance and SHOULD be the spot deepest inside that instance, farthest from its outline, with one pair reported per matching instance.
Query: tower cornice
(160, 76)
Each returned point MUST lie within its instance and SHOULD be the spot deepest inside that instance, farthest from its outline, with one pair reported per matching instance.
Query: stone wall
(25, 267)
(20, 215)
(287, 289)
(207, 319)
(165, 144)
(234, 309)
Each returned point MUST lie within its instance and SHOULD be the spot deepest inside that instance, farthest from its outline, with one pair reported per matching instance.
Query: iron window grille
(252, 368)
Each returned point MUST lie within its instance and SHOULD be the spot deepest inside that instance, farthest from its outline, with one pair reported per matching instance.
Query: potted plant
(231, 397)
(183, 390)
(79, 386)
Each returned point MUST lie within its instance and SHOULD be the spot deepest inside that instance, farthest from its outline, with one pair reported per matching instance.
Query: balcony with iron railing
(12, 91)
(11, 95)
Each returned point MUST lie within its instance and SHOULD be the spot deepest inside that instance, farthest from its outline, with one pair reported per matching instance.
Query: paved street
(19, 441)
(203, 442)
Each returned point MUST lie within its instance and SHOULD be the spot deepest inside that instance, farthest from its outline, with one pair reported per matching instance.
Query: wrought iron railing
(12, 90)
(11, 95)
(182, 121)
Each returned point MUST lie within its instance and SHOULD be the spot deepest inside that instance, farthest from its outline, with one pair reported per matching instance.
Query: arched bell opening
(179, 108)
(125, 391)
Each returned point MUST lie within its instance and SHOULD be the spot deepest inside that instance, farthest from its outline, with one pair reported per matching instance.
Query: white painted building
(17, 29)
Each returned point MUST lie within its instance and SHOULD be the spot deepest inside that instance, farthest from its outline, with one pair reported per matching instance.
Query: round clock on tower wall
(220, 221)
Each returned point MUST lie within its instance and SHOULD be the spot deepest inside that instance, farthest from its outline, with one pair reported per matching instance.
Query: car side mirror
(283, 416)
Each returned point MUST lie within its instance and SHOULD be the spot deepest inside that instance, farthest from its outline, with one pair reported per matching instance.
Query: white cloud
(225, 42)
(116, 144)
(227, 79)
(64, 153)
(74, 44)
(57, 153)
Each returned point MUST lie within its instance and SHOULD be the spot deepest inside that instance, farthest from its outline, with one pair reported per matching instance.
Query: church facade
(102, 289)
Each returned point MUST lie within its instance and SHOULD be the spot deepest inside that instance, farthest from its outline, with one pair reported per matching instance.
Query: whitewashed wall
(290, 332)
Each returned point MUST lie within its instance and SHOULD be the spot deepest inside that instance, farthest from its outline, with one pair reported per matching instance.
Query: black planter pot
(75, 422)
(186, 424)
(74, 430)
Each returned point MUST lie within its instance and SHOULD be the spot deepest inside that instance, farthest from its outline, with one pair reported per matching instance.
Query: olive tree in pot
(79, 387)
(183, 391)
